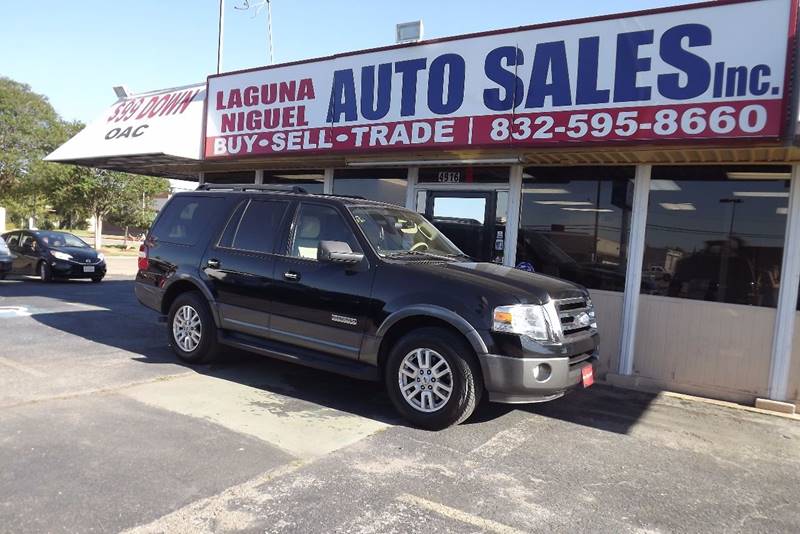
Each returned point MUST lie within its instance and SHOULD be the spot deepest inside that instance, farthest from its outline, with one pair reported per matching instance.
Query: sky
(74, 52)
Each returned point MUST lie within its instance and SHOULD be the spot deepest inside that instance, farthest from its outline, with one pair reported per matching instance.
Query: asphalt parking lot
(102, 430)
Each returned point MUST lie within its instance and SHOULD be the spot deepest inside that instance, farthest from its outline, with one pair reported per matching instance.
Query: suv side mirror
(337, 252)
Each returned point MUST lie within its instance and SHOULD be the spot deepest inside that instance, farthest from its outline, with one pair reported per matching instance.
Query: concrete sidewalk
(121, 265)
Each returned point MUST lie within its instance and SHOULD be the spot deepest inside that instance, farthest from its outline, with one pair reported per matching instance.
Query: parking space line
(458, 515)
(280, 420)
(22, 368)
(211, 513)
(504, 441)
(95, 391)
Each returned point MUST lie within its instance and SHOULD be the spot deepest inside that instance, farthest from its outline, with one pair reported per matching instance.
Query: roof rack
(253, 187)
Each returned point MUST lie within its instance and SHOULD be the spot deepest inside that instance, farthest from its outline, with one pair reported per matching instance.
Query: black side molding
(299, 355)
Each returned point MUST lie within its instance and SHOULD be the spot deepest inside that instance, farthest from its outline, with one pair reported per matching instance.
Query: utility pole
(726, 250)
(257, 7)
(220, 34)
(269, 30)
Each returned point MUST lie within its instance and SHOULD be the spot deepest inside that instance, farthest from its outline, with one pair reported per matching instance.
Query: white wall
(694, 345)
(608, 306)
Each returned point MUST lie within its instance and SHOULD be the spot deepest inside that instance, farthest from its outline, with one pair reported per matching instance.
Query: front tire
(191, 329)
(433, 378)
(97, 279)
(45, 272)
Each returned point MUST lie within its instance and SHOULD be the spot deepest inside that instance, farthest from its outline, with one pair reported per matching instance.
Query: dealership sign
(164, 122)
(715, 71)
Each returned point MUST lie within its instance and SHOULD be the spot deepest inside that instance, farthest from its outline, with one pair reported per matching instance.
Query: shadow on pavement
(119, 321)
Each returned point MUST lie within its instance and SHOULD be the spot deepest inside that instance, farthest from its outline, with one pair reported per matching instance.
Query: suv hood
(528, 288)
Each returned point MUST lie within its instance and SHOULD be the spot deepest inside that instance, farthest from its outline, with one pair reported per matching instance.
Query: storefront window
(384, 185)
(463, 175)
(310, 180)
(230, 177)
(574, 224)
(716, 233)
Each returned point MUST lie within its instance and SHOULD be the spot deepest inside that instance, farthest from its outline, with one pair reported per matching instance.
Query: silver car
(6, 259)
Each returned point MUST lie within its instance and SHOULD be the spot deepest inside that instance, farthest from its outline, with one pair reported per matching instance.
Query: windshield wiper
(399, 253)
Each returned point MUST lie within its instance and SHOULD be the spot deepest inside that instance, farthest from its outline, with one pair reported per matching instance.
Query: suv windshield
(61, 239)
(395, 232)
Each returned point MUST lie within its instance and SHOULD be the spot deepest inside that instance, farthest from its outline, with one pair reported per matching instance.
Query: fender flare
(201, 286)
(429, 310)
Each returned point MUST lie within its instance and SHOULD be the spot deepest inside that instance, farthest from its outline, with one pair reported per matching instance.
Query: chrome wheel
(187, 328)
(425, 379)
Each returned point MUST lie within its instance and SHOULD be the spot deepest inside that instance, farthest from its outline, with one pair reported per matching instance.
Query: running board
(299, 355)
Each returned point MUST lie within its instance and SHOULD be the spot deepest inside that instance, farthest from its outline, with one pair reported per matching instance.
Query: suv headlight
(101, 256)
(537, 322)
(60, 255)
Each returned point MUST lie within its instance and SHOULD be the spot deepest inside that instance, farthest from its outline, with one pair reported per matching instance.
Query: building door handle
(291, 276)
(213, 264)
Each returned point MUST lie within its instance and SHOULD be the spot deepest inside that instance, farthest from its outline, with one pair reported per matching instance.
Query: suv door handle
(292, 276)
(213, 264)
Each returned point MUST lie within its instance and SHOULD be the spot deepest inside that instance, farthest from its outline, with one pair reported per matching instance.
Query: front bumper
(516, 380)
(69, 269)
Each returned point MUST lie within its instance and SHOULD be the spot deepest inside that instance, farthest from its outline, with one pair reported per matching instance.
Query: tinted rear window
(260, 225)
(13, 239)
(186, 218)
(226, 239)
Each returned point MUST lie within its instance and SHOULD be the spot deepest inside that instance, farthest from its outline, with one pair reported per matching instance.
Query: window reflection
(230, 177)
(310, 180)
(716, 233)
(574, 224)
(384, 185)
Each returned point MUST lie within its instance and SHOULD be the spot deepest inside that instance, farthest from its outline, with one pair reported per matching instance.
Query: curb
(706, 400)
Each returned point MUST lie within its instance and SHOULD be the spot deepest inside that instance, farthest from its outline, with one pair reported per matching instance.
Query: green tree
(135, 207)
(29, 129)
(56, 194)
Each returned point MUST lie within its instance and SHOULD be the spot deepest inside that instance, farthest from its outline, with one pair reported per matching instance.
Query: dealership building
(653, 157)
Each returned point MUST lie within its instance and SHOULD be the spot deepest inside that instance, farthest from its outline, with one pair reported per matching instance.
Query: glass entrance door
(469, 219)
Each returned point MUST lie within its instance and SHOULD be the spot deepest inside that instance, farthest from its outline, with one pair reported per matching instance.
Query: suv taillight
(144, 263)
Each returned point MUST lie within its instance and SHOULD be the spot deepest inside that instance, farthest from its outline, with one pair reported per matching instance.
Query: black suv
(365, 289)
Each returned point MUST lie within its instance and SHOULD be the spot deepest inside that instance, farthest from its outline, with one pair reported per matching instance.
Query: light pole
(726, 250)
(258, 6)
(269, 29)
(220, 34)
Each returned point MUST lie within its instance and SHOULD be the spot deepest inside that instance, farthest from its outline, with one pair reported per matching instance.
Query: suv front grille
(577, 316)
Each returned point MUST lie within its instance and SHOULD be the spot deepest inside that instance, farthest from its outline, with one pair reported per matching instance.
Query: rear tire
(417, 361)
(191, 329)
(45, 272)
